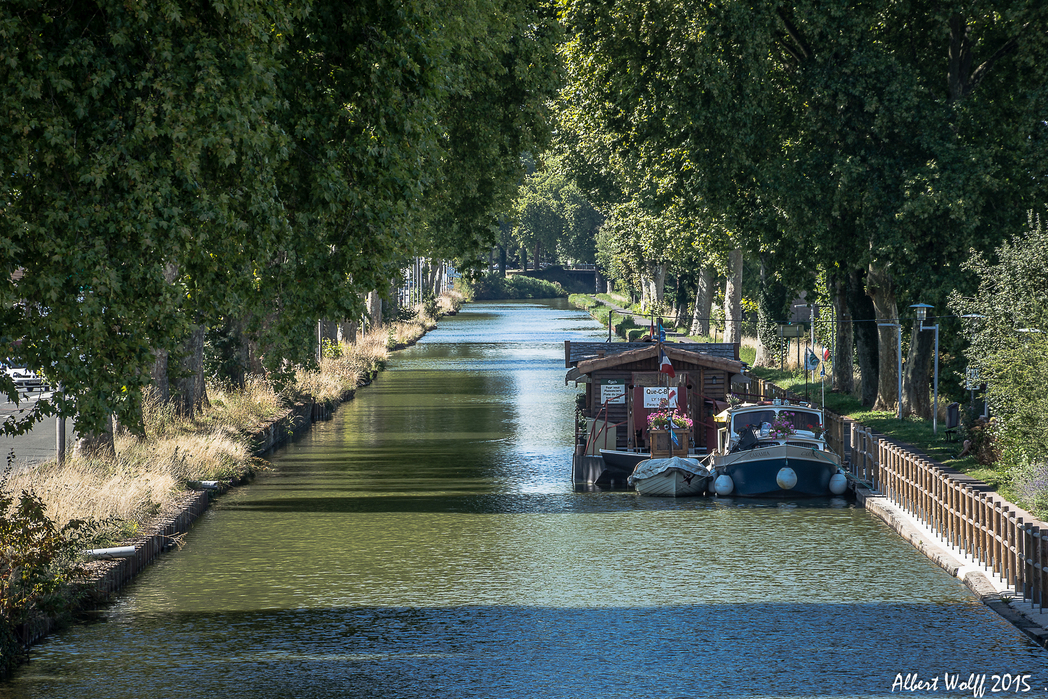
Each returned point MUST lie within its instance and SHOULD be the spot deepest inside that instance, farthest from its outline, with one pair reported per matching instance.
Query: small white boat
(670, 478)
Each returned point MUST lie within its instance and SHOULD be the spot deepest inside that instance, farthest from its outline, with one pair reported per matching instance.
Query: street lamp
(971, 375)
(922, 313)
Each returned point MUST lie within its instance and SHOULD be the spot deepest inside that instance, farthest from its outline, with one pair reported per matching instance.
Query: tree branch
(791, 29)
(979, 73)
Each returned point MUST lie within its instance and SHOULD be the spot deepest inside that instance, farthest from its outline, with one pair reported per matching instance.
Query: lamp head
(922, 310)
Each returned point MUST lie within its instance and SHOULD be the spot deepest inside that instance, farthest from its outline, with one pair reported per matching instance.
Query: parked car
(25, 379)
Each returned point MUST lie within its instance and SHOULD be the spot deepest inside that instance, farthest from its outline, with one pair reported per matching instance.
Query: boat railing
(594, 435)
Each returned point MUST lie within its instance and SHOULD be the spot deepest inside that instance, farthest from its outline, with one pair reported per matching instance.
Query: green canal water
(427, 542)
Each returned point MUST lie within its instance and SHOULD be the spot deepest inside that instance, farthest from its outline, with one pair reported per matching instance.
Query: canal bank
(1030, 619)
(108, 570)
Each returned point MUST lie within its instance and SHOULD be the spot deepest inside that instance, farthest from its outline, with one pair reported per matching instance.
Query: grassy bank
(98, 502)
(914, 431)
(626, 327)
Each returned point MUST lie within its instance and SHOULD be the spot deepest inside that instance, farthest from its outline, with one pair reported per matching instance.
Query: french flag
(664, 364)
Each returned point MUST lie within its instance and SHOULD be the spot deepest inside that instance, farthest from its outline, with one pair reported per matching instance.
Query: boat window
(753, 418)
(803, 420)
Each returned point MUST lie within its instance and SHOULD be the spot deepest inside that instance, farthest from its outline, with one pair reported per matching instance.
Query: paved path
(37, 445)
(640, 319)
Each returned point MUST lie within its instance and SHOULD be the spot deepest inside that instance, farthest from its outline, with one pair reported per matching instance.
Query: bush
(491, 287)
(38, 567)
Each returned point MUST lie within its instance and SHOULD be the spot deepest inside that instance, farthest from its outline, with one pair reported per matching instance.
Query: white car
(24, 378)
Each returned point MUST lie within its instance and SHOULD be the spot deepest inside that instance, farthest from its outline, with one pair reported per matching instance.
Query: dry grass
(145, 474)
(242, 409)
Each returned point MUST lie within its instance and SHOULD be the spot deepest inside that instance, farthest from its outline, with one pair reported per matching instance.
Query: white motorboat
(672, 478)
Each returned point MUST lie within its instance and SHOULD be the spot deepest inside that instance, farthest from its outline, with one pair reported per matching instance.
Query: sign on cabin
(654, 395)
(613, 392)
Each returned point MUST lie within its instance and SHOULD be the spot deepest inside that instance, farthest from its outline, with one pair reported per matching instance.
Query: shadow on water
(482, 502)
(786, 650)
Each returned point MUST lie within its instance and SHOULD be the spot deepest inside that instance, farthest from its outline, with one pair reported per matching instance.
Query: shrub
(38, 567)
(492, 287)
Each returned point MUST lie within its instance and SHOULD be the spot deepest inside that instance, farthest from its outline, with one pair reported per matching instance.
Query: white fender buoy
(723, 485)
(786, 478)
(838, 483)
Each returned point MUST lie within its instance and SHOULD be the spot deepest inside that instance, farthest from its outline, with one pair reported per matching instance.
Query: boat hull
(672, 483)
(762, 472)
(622, 463)
(673, 477)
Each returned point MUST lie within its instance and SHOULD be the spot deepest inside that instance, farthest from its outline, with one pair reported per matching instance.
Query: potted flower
(669, 432)
(782, 427)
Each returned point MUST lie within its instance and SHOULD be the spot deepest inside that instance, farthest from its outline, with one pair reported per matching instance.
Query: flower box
(662, 446)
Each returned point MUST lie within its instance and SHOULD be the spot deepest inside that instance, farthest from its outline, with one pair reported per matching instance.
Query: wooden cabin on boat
(624, 384)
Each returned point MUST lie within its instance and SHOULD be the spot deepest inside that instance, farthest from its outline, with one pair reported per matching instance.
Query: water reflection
(428, 543)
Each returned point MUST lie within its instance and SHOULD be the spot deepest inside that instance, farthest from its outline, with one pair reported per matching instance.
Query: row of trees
(171, 168)
(873, 146)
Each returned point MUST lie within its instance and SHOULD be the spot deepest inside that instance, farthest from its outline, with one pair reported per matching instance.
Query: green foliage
(491, 287)
(331, 349)
(1010, 341)
(190, 163)
(38, 566)
(552, 211)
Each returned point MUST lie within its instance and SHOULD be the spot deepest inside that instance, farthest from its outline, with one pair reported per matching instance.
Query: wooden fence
(1009, 543)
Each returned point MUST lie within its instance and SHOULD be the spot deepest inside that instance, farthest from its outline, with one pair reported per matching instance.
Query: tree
(128, 133)
(551, 211)
(1008, 324)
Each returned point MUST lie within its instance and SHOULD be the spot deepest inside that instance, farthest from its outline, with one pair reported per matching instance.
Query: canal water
(427, 542)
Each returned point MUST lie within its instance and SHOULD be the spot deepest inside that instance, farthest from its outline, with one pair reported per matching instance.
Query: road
(37, 445)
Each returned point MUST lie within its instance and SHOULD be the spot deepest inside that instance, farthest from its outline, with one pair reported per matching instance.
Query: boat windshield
(800, 419)
(804, 420)
(752, 418)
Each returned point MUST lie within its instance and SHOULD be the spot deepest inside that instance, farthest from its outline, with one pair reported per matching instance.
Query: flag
(673, 435)
(664, 364)
(826, 354)
(811, 361)
(651, 329)
(662, 333)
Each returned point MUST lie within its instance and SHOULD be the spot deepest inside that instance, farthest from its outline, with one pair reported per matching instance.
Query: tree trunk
(523, 259)
(435, 268)
(502, 261)
(772, 308)
(865, 332)
(882, 293)
(189, 392)
(733, 298)
(536, 256)
(658, 286)
(916, 378)
(161, 386)
(374, 310)
(347, 332)
(700, 317)
(843, 376)
(95, 446)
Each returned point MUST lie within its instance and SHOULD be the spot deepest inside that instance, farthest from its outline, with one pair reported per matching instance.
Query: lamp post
(898, 327)
(971, 375)
(922, 313)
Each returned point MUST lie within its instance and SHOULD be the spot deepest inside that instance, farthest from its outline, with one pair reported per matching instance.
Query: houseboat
(625, 382)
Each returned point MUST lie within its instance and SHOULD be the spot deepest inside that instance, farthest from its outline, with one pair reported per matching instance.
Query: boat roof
(577, 352)
(648, 350)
